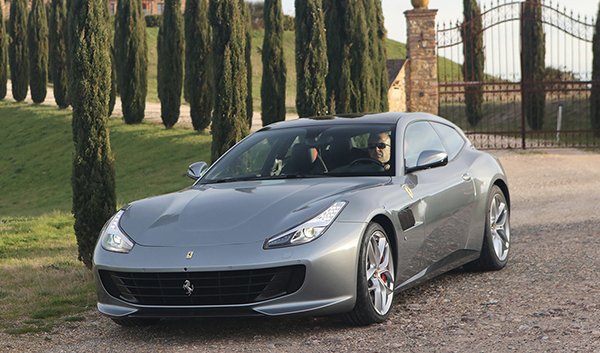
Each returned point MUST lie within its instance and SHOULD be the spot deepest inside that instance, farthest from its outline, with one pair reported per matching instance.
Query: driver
(380, 148)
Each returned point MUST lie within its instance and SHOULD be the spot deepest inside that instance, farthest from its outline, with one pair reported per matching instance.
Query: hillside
(396, 50)
(36, 174)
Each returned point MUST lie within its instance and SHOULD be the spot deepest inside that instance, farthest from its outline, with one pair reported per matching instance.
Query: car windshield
(308, 152)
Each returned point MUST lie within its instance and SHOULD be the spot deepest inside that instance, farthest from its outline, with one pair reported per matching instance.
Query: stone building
(149, 7)
(397, 81)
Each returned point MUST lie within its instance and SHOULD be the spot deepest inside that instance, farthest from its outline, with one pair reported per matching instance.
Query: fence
(566, 84)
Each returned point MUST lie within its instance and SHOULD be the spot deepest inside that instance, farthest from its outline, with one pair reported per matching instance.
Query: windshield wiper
(230, 179)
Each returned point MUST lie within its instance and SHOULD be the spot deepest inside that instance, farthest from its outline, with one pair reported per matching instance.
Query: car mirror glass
(429, 159)
(196, 170)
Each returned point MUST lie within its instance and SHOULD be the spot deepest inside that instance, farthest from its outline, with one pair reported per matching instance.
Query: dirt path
(152, 111)
(546, 299)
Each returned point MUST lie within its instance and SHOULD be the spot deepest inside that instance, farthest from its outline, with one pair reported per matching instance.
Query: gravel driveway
(546, 299)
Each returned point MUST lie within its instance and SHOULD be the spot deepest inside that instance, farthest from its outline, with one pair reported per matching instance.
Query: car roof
(352, 119)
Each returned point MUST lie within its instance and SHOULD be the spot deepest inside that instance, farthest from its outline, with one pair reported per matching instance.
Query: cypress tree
(49, 19)
(379, 50)
(170, 62)
(93, 178)
(197, 63)
(58, 51)
(595, 94)
(533, 66)
(362, 95)
(113, 68)
(350, 83)
(17, 50)
(113, 78)
(229, 120)
(335, 52)
(311, 58)
(37, 36)
(131, 54)
(3, 57)
(248, 54)
(272, 89)
(474, 60)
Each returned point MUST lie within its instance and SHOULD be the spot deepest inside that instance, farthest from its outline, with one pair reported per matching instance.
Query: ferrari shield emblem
(408, 191)
(189, 255)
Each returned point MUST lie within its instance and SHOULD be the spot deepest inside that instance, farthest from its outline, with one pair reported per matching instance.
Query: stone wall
(421, 72)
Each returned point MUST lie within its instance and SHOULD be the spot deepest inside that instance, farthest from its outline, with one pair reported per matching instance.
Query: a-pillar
(421, 73)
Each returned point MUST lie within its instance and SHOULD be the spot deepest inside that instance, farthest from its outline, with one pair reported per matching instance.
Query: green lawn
(36, 174)
(504, 117)
(42, 283)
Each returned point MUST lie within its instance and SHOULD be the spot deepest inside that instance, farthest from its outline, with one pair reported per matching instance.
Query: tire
(375, 283)
(496, 238)
(134, 321)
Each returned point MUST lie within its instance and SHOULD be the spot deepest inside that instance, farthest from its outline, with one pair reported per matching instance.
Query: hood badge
(189, 255)
(188, 287)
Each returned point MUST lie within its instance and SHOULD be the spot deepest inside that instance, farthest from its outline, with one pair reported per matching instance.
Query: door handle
(466, 177)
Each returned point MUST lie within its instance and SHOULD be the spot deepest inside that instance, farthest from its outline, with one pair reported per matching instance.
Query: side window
(451, 139)
(420, 137)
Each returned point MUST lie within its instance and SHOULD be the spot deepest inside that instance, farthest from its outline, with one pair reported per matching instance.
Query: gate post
(421, 72)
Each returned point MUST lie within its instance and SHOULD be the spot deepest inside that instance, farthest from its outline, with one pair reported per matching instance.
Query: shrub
(153, 20)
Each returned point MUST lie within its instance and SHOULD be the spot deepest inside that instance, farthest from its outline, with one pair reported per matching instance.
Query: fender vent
(407, 218)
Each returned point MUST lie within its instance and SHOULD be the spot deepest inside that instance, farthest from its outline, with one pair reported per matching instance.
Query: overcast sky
(449, 10)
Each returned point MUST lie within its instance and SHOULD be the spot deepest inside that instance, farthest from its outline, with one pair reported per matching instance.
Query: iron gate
(566, 83)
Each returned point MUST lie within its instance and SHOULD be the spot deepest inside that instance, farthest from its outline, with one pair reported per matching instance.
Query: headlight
(112, 238)
(307, 231)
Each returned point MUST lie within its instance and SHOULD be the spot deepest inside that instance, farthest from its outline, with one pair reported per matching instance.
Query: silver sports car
(330, 215)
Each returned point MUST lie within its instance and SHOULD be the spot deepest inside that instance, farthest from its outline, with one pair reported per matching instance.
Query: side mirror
(196, 170)
(429, 159)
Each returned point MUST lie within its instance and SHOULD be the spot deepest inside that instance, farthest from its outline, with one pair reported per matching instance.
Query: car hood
(236, 212)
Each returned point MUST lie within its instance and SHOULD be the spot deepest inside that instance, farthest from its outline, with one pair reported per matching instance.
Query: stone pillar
(421, 74)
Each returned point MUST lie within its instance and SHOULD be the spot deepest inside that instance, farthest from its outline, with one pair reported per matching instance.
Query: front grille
(209, 288)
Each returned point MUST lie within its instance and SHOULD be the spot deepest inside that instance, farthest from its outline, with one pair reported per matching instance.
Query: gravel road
(546, 299)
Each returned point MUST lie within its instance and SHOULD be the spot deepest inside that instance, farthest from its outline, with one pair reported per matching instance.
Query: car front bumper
(329, 285)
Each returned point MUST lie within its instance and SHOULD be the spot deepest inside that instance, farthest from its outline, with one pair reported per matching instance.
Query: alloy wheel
(380, 272)
(500, 226)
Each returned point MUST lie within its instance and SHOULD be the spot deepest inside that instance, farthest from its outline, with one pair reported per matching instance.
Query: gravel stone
(545, 300)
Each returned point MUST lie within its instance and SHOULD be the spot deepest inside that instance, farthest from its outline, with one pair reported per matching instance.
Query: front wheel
(496, 238)
(375, 285)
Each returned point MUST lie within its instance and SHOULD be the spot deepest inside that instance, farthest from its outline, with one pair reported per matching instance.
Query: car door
(446, 194)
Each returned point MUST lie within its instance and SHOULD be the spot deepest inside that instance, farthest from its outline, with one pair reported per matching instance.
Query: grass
(505, 116)
(36, 174)
(42, 283)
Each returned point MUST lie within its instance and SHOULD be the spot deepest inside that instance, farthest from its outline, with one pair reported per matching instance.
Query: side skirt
(450, 262)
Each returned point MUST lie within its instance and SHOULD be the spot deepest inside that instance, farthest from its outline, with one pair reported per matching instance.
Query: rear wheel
(375, 285)
(496, 239)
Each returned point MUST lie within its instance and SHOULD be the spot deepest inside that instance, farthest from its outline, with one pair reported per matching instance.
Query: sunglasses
(380, 145)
